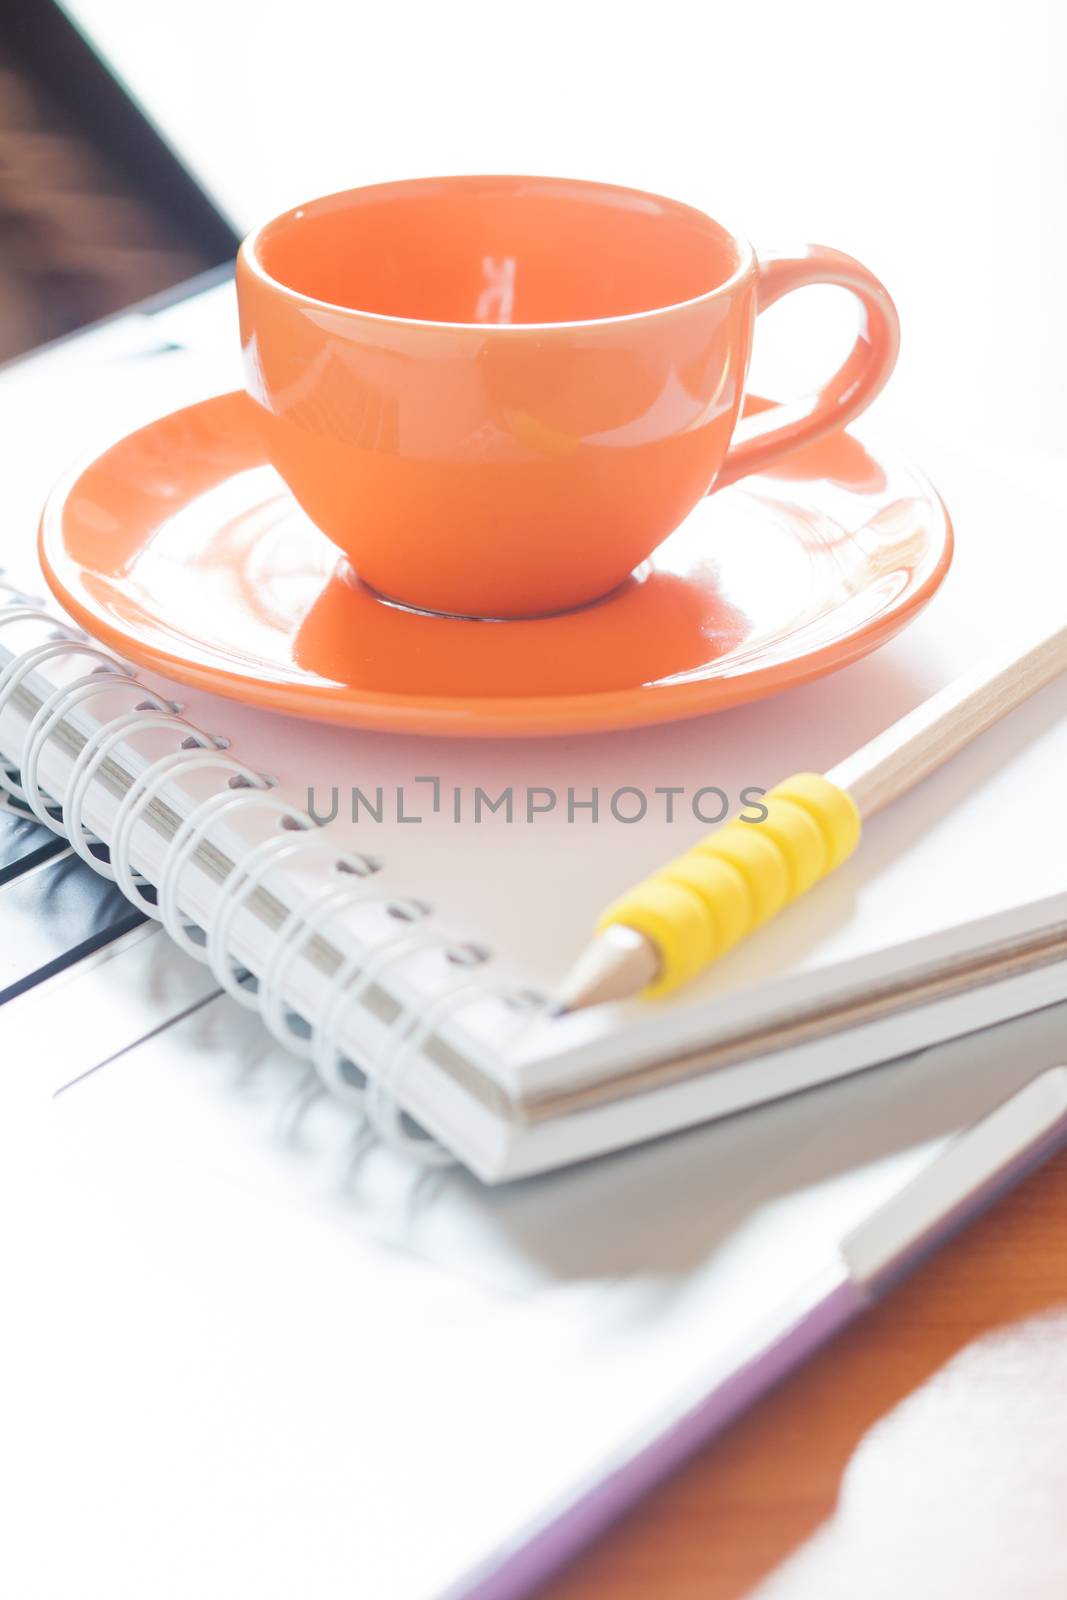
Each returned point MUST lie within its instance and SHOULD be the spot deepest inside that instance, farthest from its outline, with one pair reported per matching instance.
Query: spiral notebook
(407, 943)
(418, 988)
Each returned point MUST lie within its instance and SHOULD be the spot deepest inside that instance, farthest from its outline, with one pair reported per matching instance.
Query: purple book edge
(523, 1569)
(517, 1572)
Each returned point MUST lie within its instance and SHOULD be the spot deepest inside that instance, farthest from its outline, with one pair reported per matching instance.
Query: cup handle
(761, 438)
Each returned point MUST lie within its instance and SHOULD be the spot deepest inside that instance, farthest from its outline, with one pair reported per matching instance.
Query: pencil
(662, 933)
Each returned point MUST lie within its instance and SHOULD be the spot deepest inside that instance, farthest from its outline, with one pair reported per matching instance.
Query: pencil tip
(619, 963)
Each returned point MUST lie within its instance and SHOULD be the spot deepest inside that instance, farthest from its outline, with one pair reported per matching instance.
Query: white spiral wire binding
(92, 755)
(382, 1109)
(187, 841)
(235, 892)
(238, 888)
(18, 608)
(22, 611)
(22, 666)
(51, 713)
(407, 1036)
(65, 639)
(199, 751)
(140, 795)
(70, 644)
(300, 926)
(348, 985)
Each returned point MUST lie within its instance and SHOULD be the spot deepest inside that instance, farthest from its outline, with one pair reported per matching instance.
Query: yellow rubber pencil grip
(738, 877)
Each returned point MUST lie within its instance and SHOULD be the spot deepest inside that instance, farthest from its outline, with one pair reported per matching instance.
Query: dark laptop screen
(97, 212)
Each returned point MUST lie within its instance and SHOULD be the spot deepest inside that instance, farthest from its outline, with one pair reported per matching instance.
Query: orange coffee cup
(498, 395)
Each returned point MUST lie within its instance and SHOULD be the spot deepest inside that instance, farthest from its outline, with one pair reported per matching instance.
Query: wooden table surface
(922, 1455)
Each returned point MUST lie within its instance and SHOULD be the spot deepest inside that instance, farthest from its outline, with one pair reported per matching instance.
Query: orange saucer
(182, 549)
